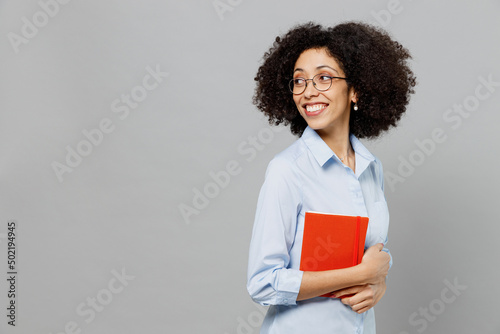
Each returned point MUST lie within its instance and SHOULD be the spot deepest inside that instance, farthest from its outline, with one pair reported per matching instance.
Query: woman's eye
(299, 81)
(324, 78)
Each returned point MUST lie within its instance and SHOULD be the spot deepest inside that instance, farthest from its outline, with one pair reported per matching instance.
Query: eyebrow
(318, 68)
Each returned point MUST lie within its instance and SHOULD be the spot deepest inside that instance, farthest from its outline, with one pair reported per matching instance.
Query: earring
(355, 106)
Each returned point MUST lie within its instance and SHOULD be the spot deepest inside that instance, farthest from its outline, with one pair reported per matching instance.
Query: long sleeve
(270, 280)
(380, 172)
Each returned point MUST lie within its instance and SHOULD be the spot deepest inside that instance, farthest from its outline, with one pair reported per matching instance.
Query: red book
(332, 241)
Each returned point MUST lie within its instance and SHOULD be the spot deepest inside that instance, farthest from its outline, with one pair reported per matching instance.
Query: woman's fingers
(348, 291)
(362, 301)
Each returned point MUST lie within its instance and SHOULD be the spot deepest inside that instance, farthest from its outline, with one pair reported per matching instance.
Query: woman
(331, 86)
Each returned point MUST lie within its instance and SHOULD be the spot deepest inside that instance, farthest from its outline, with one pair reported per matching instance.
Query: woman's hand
(372, 270)
(361, 298)
(375, 264)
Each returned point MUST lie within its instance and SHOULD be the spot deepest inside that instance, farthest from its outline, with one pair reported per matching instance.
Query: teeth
(315, 107)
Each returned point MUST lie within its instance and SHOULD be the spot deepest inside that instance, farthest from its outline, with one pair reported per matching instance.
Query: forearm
(317, 283)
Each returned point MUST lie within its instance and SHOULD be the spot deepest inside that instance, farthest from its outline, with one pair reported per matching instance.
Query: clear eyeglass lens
(299, 83)
(321, 82)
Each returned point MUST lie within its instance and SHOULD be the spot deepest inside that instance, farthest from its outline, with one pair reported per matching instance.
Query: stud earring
(355, 106)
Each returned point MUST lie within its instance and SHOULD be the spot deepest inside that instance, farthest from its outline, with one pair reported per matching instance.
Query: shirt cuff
(388, 252)
(289, 281)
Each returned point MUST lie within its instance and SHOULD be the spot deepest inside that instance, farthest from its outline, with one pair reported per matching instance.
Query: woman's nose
(310, 90)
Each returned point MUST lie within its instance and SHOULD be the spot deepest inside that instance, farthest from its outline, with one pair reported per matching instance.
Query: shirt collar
(322, 153)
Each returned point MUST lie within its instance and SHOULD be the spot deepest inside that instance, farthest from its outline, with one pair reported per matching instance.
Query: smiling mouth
(315, 109)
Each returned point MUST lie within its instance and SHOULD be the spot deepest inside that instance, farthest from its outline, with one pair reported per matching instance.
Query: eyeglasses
(320, 81)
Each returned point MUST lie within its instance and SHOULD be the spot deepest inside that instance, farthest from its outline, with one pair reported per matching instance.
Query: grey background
(119, 209)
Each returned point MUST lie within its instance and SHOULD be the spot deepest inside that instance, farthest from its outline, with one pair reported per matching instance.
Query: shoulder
(285, 162)
(378, 164)
(378, 172)
(283, 180)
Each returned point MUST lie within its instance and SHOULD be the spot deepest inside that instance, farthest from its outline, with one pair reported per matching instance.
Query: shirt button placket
(357, 195)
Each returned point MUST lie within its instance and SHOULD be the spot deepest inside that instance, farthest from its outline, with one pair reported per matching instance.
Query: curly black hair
(374, 64)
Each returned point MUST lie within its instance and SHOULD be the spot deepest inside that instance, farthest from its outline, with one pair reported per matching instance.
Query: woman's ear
(353, 96)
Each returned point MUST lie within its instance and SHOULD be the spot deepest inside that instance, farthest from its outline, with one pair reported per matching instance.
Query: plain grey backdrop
(131, 158)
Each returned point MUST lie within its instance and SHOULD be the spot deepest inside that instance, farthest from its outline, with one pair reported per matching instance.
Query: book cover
(332, 241)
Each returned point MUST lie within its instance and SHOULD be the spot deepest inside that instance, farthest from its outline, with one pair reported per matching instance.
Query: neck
(338, 140)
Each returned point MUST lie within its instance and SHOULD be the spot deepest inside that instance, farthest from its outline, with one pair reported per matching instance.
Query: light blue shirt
(308, 176)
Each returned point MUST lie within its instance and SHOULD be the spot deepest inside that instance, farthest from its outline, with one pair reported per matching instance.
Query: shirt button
(285, 300)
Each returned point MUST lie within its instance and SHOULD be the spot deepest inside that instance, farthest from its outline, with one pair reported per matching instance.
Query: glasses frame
(291, 85)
